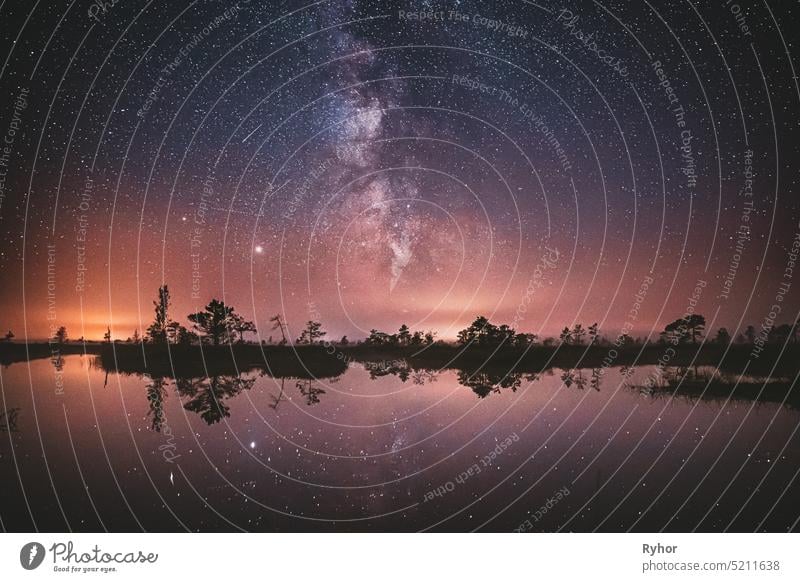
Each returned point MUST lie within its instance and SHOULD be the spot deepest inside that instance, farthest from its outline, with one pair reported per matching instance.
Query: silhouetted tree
(187, 336)
(60, 336)
(107, 335)
(695, 325)
(566, 336)
(723, 337)
(505, 334)
(378, 338)
(214, 322)
(344, 341)
(158, 330)
(688, 328)
(311, 333)
(404, 335)
(8, 337)
(241, 326)
(781, 333)
(478, 331)
(277, 323)
(578, 333)
(178, 334)
(136, 338)
(484, 333)
(674, 332)
(417, 338)
(429, 337)
(750, 334)
(173, 331)
(523, 340)
(593, 333)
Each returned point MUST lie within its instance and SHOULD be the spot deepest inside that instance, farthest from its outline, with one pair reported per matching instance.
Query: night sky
(373, 163)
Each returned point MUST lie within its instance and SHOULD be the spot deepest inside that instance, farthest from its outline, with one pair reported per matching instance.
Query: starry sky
(373, 163)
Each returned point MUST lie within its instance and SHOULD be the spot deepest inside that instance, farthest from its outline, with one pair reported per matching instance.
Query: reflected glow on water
(404, 451)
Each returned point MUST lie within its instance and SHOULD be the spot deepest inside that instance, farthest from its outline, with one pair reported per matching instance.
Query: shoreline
(333, 359)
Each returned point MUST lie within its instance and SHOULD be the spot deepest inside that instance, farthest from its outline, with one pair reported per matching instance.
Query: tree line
(219, 323)
(689, 329)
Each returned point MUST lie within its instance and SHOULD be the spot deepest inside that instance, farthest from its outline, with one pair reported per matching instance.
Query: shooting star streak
(249, 135)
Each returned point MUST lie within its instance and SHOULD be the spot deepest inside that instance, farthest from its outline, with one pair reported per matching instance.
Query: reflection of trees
(310, 391)
(58, 361)
(207, 397)
(485, 382)
(399, 368)
(422, 377)
(674, 375)
(279, 398)
(575, 377)
(597, 375)
(8, 420)
(156, 392)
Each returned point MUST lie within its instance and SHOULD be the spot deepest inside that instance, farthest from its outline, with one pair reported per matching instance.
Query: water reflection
(8, 420)
(279, 398)
(487, 382)
(156, 391)
(368, 444)
(400, 368)
(310, 390)
(712, 384)
(208, 397)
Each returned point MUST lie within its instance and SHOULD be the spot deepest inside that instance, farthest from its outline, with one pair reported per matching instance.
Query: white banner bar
(400, 557)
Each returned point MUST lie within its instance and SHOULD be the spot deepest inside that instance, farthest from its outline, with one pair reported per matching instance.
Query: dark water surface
(86, 450)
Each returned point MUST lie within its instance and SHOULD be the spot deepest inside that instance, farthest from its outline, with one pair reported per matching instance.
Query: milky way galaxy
(370, 164)
(401, 265)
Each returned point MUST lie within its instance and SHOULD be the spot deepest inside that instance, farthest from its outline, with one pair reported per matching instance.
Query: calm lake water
(81, 449)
